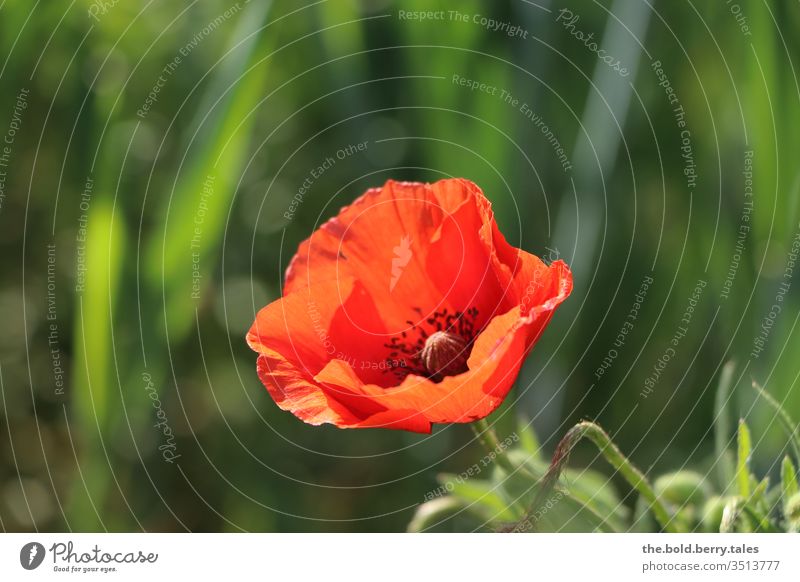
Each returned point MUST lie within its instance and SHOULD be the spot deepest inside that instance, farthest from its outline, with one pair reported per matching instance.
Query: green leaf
(682, 488)
(583, 491)
(722, 424)
(531, 463)
(758, 500)
(731, 514)
(711, 517)
(761, 521)
(743, 461)
(642, 521)
(788, 481)
(569, 513)
(481, 496)
(584, 500)
(435, 513)
(595, 491)
(759, 488)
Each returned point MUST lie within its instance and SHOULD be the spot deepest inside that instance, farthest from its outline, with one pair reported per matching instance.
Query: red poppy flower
(406, 309)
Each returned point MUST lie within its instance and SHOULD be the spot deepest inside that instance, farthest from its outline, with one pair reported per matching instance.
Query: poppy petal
(496, 357)
(414, 246)
(316, 404)
(310, 326)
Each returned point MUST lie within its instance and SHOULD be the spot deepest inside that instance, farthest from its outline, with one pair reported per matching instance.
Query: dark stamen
(443, 344)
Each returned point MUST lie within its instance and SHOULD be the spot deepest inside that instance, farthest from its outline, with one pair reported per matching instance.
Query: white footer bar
(357, 557)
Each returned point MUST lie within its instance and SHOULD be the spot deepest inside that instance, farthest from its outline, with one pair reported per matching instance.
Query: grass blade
(94, 374)
(743, 460)
(783, 417)
(722, 424)
(435, 513)
(789, 485)
(214, 167)
(481, 496)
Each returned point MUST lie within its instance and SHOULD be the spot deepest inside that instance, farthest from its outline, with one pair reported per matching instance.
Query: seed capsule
(444, 354)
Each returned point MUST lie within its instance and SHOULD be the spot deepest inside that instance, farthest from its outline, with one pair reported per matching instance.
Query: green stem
(488, 438)
(614, 456)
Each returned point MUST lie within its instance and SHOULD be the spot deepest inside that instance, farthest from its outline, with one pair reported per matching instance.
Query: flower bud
(712, 513)
(682, 488)
(793, 513)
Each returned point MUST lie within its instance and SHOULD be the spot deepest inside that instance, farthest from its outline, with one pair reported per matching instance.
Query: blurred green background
(134, 123)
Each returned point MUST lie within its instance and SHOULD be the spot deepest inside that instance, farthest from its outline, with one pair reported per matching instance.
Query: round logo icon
(31, 555)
